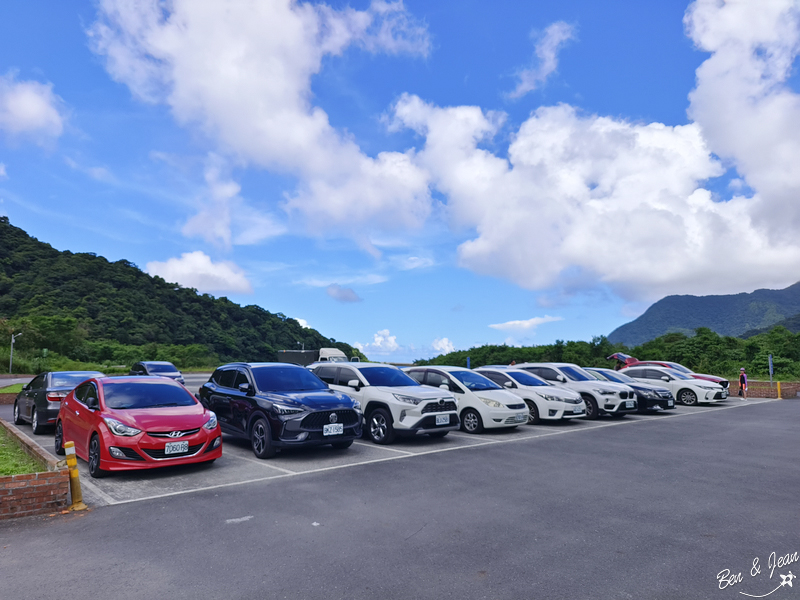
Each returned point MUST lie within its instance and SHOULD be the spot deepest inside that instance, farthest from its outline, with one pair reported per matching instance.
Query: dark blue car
(278, 405)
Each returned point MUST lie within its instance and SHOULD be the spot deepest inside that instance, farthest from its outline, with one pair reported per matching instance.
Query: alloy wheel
(259, 438)
(377, 427)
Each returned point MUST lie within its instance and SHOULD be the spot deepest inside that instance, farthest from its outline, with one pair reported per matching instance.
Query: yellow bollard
(779, 391)
(74, 478)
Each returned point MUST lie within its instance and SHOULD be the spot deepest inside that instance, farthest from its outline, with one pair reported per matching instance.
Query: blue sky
(412, 177)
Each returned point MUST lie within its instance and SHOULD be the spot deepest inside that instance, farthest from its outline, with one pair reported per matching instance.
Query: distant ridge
(732, 315)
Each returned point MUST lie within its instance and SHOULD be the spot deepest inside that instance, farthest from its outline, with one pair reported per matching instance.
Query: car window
(286, 378)
(435, 379)
(387, 376)
(80, 392)
(576, 374)
(90, 397)
(165, 368)
(72, 379)
(617, 377)
(418, 376)
(653, 374)
(240, 379)
(545, 373)
(326, 374)
(216, 377)
(528, 379)
(227, 378)
(38, 382)
(475, 381)
(639, 373)
(498, 378)
(346, 375)
(145, 393)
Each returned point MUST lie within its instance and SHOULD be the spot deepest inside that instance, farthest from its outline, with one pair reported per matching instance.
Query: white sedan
(687, 390)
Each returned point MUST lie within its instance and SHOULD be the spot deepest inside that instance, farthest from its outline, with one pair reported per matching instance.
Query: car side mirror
(246, 389)
(666, 378)
(354, 383)
(92, 404)
(509, 384)
(444, 386)
(561, 378)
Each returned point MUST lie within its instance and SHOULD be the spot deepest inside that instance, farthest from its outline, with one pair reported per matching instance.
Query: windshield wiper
(160, 405)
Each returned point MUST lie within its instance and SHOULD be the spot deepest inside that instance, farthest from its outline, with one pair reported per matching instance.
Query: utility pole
(11, 359)
(302, 346)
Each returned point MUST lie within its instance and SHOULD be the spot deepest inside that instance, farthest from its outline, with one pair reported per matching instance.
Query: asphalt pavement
(644, 507)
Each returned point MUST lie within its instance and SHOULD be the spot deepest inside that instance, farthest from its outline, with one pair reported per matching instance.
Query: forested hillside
(731, 315)
(704, 352)
(89, 309)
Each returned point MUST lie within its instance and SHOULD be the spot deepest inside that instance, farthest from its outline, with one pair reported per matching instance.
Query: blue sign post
(770, 370)
(471, 367)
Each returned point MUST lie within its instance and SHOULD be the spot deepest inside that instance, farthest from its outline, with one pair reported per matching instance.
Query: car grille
(159, 454)
(130, 453)
(318, 419)
(513, 420)
(725, 384)
(623, 395)
(436, 407)
(163, 434)
(515, 406)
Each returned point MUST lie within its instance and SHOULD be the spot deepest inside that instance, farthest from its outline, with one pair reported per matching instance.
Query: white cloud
(443, 345)
(342, 294)
(242, 72)
(197, 270)
(29, 109)
(382, 343)
(368, 279)
(525, 325)
(303, 323)
(3, 174)
(409, 263)
(98, 173)
(548, 45)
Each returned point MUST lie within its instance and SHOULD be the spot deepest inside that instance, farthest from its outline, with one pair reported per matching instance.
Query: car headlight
(706, 387)
(407, 399)
(211, 424)
(649, 394)
(286, 410)
(550, 398)
(603, 392)
(118, 428)
(492, 403)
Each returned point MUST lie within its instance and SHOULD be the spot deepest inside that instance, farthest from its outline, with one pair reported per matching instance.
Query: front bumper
(145, 452)
(505, 418)
(413, 425)
(309, 429)
(562, 410)
(619, 407)
(655, 403)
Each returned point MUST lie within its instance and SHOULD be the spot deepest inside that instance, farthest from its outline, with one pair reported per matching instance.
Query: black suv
(278, 405)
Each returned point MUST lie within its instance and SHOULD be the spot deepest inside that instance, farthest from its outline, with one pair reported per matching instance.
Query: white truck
(306, 357)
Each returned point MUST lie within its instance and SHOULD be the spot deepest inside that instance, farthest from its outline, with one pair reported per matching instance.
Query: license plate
(333, 429)
(521, 418)
(176, 447)
(629, 404)
(670, 403)
(443, 419)
(577, 411)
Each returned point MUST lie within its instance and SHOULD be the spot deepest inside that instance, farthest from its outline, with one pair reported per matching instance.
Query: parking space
(239, 466)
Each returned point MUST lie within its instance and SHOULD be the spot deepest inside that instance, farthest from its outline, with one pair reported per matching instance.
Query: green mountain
(83, 306)
(792, 324)
(731, 315)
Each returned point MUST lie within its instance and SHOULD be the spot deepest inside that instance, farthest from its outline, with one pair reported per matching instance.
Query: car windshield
(596, 375)
(167, 368)
(287, 379)
(618, 377)
(576, 374)
(679, 375)
(527, 379)
(678, 367)
(72, 379)
(145, 394)
(386, 376)
(475, 381)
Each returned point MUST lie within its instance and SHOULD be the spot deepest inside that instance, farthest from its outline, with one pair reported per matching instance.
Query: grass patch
(11, 389)
(13, 460)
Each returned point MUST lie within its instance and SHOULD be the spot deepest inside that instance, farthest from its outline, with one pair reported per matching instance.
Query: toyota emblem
(175, 434)
(441, 401)
(333, 418)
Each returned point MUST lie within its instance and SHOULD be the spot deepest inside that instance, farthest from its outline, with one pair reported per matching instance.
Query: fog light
(553, 413)
(217, 442)
(116, 452)
(402, 415)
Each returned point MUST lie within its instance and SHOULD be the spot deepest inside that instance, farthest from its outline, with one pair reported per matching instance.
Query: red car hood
(166, 418)
(713, 378)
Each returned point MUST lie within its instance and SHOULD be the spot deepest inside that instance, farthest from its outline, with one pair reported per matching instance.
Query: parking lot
(643, 507)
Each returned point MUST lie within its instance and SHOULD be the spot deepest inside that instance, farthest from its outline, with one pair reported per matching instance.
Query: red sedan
(122, 423)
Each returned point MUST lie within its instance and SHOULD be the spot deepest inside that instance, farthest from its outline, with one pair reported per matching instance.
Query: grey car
(159, 368)
(39, 401)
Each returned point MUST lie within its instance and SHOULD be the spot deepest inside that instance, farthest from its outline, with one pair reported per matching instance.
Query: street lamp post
(11, 359)
(302, 346)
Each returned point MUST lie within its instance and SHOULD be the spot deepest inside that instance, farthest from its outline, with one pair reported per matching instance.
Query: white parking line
(439, 450)
(381, 447)
(262, 463)
(93, 489)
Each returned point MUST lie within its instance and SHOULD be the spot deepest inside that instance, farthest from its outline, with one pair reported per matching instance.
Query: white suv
(544, 401)
(481, 401)
(392, 402)
(601, 397)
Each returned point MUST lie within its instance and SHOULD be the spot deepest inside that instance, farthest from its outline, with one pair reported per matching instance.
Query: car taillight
(56, 396)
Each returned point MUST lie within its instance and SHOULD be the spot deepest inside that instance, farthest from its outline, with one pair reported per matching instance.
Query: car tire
(17, 417)
(533, 412)
(95, 448)
(438, 434)
(471, 421)
(261, 439)
(59, 439)
(592, 410)
(687, 397)
(342, 445)
(36, 427)
(379, 427)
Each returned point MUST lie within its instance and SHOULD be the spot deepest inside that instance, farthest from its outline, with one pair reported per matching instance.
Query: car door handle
(77, 413)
